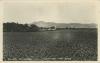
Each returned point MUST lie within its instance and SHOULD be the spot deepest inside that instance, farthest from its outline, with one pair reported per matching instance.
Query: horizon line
(50, 22)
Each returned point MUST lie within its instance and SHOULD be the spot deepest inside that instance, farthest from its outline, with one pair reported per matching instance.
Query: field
(60, 45)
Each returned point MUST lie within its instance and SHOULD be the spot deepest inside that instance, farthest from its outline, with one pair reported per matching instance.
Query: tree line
(16, 27)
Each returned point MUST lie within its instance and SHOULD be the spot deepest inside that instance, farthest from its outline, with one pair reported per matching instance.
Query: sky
(59, 12)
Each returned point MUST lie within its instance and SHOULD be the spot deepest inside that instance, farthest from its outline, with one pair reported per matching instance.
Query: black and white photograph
(50, 31)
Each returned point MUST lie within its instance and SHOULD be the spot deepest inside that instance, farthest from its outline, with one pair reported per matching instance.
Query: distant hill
(64, 25)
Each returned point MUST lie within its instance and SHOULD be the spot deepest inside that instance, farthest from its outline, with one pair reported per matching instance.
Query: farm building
(48, 28)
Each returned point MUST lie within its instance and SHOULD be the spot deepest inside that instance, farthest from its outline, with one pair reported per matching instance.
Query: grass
(68, 45)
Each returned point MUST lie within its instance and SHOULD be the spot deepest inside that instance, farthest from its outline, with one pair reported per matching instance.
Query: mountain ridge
(64, 25)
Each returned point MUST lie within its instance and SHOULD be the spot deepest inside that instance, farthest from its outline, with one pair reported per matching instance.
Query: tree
(34, 28)
(15, 27)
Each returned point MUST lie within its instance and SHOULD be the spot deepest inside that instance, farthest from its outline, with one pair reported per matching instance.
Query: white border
(97, 2)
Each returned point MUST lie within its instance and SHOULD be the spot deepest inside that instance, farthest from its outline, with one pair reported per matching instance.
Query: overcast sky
(64, 12)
